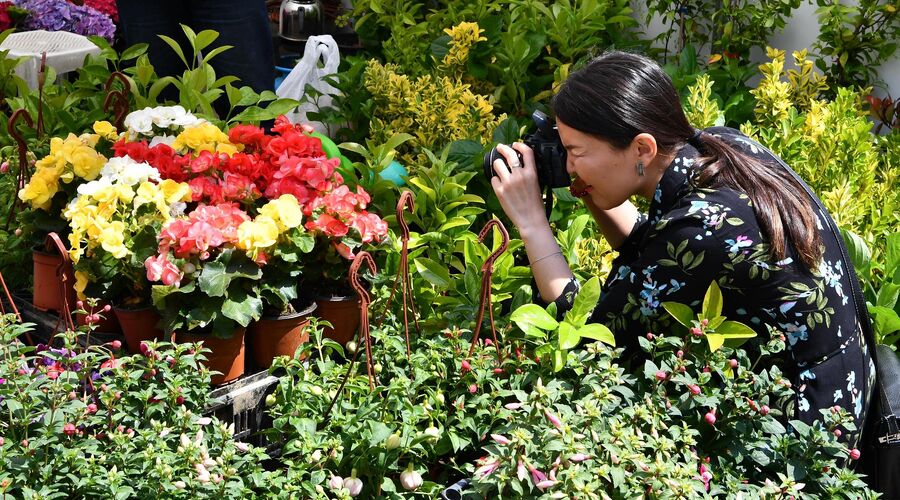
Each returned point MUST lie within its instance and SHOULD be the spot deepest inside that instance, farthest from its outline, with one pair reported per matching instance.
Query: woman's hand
(517, 187)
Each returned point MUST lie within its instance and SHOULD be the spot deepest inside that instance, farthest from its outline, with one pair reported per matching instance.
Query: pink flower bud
(543, 485)
(466, 367)
(79, 304)
(498, 371)
(679, 354)
(4, 167)
(410, 479)
(553, 419)
(91, 408)
(695, 389)
(512, 406)
(854, 454)
(661, 375)
(696, 331)
(473, 388)
(763, 410)
(650, 336)
(116, 344)
(837, 433)
(710, 417)
(704, 322)
(500, 439)
(579, 457)
(69, 429)
(107, 308)
(353, 485)
(733, 363)
(336, 482)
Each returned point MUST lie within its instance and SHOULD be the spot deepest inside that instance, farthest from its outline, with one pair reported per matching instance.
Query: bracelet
(546, 256)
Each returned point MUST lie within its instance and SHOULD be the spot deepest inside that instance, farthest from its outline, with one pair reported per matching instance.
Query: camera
(549, 154)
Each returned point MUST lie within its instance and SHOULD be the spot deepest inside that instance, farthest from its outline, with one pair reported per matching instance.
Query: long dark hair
(619, 95)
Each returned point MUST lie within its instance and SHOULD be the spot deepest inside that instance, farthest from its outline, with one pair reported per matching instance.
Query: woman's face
(609, 175)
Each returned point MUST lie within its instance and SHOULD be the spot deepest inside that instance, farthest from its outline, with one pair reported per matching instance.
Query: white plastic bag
(308, 71)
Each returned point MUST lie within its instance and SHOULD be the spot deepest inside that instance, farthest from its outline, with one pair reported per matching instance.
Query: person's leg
(243, 24)
(142, 21)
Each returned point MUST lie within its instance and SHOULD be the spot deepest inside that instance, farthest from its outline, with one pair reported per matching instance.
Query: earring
(640, 168)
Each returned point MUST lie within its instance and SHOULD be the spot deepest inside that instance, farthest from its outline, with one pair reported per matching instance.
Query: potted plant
(277, 240)
(72, 161)
(342, 225)
(114, 222)
(209, 288)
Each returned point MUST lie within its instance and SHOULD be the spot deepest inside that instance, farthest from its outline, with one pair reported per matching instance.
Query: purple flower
(60, 15)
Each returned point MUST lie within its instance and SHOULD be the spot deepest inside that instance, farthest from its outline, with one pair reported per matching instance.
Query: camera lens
(492, 155)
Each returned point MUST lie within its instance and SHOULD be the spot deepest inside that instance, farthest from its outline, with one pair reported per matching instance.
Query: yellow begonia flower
(175, 191)
(39, 191)
(257, 234)
(201, 137)
(112, 238)
(285, 211)
(106, 130)
(147, 193)
(81, 282)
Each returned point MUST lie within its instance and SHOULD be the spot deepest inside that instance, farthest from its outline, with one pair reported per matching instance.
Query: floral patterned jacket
(692, 236)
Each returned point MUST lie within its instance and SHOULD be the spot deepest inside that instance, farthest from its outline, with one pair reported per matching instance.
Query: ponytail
(782, 208)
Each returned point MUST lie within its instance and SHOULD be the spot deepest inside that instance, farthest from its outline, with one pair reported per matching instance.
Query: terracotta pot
(109, 323)
(139, 325)
(227, 355)
(47, 285)
(343, 313)
(278, 336)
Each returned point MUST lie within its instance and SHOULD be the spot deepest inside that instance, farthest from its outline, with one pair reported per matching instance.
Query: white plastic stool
(65, 52)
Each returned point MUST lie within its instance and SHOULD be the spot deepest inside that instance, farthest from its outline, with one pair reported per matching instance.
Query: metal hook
(119, 101)
(117, 75)
(365, 299)
(487, 271)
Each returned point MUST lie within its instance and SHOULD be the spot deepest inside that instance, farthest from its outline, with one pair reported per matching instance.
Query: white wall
(800, 32)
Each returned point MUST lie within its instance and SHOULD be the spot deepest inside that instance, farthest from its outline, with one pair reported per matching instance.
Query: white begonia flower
(138, 122)
(168, 140)
(124, 170)
(89, 188)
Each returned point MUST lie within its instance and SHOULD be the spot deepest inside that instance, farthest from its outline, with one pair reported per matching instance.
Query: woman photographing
(747, 222)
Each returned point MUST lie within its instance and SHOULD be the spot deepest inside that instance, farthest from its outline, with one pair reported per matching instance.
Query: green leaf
(134, 51)
(568, 336)
(177, 48)
(735, 333)
(533, 315)
(887, 295)
(435, 273)
(204, 38)
(242, 308)
(586, 300)
(712, 302)
(682, 313)
(859, 252)
(599, 332)
(507, 132)
(559, 359)
(892, 256)
(379, 433)
(716, 341)
(884, 320)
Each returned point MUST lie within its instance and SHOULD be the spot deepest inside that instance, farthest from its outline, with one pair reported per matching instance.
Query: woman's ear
(644, 148)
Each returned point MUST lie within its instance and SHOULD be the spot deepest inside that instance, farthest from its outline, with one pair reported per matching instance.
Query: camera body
(549, 154)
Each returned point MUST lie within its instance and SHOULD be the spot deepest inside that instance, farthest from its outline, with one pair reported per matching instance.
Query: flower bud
(763, 410)
(579, 457)
(837, 433)
(854, 454)
(661, 375)
(733, 362)
(696, 331)
(695, 389)
(353, 485)
(433, 433)
(473, 388)
(500, 439)
(410, 479)
(710, 417)
(466, 367)
(392, 442)
(336, 482)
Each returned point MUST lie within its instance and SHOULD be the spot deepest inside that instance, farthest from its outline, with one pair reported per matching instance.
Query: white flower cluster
(152, 122)
(120, 170)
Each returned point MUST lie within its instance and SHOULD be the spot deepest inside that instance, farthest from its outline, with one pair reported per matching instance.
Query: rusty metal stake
(364, 300)
(118, 98)
(406, 201)
(23, 175)
(487, 271)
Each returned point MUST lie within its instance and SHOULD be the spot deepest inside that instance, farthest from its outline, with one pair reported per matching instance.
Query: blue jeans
(243, 24)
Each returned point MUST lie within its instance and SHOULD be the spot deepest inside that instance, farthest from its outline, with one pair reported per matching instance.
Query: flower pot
(47, 284)
(109, 323)
(227, 355)
(139, 325)
(343, 314)
(278, 336)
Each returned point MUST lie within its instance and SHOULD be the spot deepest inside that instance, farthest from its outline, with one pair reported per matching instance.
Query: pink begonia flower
(159, 268)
